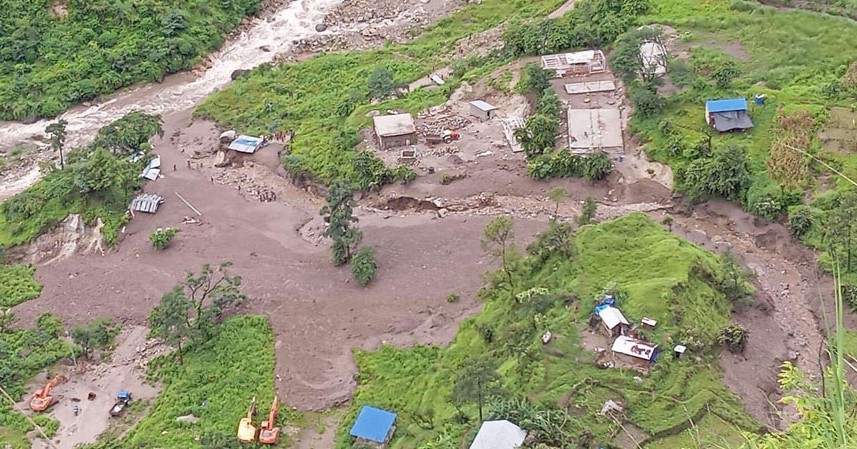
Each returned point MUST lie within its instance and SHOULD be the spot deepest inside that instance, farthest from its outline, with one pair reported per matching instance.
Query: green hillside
(653, 274)
(56, 53)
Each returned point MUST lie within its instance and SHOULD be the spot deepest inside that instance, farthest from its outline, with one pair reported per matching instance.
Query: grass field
(215, 384)
(316, 97)
(657, 274)
(17, 285)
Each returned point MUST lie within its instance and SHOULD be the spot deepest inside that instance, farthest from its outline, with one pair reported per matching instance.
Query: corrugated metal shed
(373, 424)
(731, 104)
(146, 202)
(394, 125)
(246, 144)
(153, 169)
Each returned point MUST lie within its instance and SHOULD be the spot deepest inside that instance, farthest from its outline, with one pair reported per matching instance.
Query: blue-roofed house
(728, 115)
(374, 426)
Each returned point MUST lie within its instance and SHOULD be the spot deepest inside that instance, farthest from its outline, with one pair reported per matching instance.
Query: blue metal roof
(373, 424)
(732, 104)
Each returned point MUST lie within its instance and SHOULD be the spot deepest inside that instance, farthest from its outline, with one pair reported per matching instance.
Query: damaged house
(728, 115)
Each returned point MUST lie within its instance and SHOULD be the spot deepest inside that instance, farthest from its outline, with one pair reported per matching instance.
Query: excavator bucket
(269, 433)
(246, 429)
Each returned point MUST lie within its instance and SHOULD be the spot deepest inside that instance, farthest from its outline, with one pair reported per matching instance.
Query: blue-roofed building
(374, 425)
(728, 115)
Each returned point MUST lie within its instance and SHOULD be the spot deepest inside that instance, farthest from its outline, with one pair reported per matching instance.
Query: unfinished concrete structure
(395, 130)
(590, 87)
(591, 130)
(510, 124)
(575, 64)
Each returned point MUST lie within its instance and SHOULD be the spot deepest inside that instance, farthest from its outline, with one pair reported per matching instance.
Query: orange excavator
(246, 429)
(269, 433)
(43, 400)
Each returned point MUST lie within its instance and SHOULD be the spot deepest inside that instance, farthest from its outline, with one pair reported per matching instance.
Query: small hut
(395, 130)
(482, 110)
(728, 115)
(374, 426)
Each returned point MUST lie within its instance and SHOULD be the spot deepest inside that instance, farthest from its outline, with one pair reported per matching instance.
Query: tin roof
(731, 104)
(635, 348)
(483, 105)
(246, 144)
(394, 125)
(612, 317)
(373, 424)
(146, 202)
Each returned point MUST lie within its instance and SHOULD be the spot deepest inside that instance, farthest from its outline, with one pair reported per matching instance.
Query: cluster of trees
(591, 23)
(97, 179)
(98, 334)
(640, 77)
(564, 163)
(345, 237)
(192, 310)
(49, 62)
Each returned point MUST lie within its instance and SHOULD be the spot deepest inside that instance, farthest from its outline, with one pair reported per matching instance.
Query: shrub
(726, 173)
(363, 265)
(587, 214)
(724, 74)
(647, 102)
(733, 337)
(770, 200)
(380, 83)
(452, 298)
(562, 164)
(161, 238)
(50, 324)
(800, 221)
(17, 285)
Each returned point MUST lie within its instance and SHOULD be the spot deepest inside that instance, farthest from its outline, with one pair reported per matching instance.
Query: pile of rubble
(441, 124)
(363, 11)
(247, 185)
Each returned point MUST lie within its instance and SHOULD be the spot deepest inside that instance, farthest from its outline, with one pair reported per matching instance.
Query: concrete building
(395, 130)
(591, 130)
(482, 110)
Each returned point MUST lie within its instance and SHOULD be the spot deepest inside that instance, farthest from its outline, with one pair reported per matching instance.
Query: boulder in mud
(320, 27)
(190, 419)
(30, 120)
(238, 74)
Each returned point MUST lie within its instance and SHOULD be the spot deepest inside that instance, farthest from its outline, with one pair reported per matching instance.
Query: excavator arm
(246, 429)
(269, 433)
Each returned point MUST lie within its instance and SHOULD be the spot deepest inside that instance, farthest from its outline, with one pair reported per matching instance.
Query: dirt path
(125, 370)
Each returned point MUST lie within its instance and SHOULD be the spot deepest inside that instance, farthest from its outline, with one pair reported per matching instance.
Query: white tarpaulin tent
(499, 435)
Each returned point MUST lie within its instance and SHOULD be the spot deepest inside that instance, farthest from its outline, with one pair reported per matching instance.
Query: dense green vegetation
(55, 53)
(24, 352)
(98, 181)
(215, 383)
(17, 285)
(554, 287)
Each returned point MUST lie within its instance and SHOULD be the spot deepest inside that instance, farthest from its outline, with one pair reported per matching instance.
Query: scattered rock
(265, 48)
(240, 73)
(190, 419)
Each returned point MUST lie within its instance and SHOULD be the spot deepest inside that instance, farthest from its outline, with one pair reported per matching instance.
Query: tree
(337, 214)
(800, 221)
(596, 167)
(732, 279)
(627, 59)
(475, 382)
(646, 100)
(557, 195)
(668, 222)
(363, 265)
(726, 173)
(380, 83)
(169, 319)
(194, 308)
(724, 74)
(130, 134)
(96, 334)
(538, 134)
(840, 228)
(56, 132)
(536, 79)
(587, 213)
(161, 238)
(497, 242)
